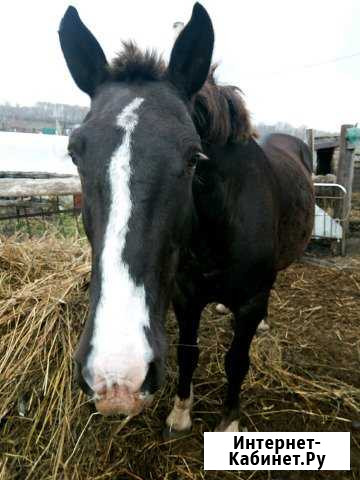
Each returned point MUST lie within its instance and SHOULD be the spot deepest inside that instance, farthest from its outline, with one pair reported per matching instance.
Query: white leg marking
(231, 427)
(220, 308)
(263, 326)
(121, 351)
(179, 418)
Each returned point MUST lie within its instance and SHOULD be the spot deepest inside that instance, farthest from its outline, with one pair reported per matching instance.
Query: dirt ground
(304, 376)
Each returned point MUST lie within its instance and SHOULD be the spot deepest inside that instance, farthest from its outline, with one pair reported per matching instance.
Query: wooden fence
(32, 194)
(345, 168)
(22, 184)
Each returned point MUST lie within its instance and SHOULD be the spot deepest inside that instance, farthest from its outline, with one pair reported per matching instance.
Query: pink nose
(119, 399)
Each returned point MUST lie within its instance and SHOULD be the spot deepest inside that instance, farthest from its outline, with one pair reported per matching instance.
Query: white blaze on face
(120, 350)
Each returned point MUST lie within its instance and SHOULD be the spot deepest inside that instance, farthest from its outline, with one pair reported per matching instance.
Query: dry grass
(305, 374)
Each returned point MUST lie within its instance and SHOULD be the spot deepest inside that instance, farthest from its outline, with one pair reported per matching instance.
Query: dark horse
(181, 204)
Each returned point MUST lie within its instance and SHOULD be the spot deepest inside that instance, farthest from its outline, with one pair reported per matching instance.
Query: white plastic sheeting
(31, 152)
(325, 226)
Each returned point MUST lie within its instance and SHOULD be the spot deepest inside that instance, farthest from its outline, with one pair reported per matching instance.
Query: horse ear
(83, 54)
(190, 58)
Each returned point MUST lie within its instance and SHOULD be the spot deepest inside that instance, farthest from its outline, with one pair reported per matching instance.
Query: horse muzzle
(120, 400)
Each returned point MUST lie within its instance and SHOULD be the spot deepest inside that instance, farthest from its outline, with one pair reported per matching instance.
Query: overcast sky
(269, 48)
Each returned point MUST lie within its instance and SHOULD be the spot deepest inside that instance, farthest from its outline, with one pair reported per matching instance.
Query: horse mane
(220, 114)
(219, 111)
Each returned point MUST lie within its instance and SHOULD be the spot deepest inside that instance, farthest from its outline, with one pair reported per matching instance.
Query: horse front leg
(246, 320)
(188, 315)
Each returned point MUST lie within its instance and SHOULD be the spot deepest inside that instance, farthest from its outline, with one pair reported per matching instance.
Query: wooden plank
(16, 202)
(345, 174)
(310, 137)
(17, 174)
(326, 143)
(22, 187)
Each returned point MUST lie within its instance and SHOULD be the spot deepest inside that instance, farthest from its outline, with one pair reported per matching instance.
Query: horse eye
(201, 156)
(197, 157)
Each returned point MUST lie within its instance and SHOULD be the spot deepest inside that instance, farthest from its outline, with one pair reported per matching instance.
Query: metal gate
(330, 218)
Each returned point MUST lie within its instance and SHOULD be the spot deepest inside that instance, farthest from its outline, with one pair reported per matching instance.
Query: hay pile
(305, 374)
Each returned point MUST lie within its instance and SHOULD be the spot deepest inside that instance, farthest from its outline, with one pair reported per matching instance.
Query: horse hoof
(225, 426)
(220, 308)
(262, 327)
(233, 426)
(171, 434)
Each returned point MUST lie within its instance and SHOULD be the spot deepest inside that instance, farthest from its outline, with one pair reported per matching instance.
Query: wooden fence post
(345, 175)
(310, 137)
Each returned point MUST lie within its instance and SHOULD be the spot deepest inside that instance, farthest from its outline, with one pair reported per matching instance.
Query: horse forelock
(132, 64)
(219, 111)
